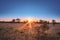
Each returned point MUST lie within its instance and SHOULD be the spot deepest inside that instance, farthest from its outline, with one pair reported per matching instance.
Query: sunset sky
(49, 9)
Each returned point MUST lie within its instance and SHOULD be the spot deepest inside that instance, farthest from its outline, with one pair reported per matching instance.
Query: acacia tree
(41, 21)
(13, 20)
(53, 22)
(18, 20)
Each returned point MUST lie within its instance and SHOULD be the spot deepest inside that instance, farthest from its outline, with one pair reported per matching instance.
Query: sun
(30, 20)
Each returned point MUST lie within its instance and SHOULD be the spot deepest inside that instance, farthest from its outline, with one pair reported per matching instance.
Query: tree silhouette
(45, 22)
(41, 21)
(18, 20)
(13, 20)
(54, 22)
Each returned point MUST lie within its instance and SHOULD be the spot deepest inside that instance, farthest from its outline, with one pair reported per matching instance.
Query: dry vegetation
(13, 31)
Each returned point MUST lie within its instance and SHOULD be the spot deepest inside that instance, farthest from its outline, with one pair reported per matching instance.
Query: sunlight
(28, 24)
(30, 20)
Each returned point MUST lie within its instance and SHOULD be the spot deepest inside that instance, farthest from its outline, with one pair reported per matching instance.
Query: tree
(53, 21)
(41, 21)
(45, 22)
(13, 20)
(17, 20)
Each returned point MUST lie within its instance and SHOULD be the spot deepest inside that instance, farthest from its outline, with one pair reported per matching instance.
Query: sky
(45, 9)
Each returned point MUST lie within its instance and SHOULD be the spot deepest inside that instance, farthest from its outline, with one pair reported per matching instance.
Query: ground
(28, 31)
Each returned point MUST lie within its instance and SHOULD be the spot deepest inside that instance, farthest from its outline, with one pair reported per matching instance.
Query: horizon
(10, 19)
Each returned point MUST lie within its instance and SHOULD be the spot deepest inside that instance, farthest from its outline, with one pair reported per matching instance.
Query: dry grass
(12, 31)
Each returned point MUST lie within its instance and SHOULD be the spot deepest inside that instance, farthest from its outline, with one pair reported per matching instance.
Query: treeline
(19, 21)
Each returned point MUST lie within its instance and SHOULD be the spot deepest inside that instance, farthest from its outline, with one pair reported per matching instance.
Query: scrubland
(21, 31)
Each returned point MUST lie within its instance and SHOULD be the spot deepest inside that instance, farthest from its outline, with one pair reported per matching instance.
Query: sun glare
(30, 20)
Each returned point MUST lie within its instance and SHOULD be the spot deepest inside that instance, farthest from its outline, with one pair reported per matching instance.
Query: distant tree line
(43, 21)
(16, 20)
(40, 21)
